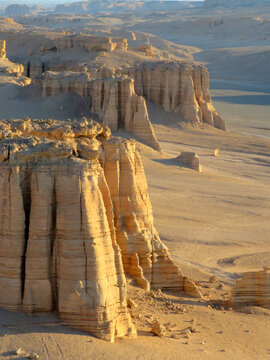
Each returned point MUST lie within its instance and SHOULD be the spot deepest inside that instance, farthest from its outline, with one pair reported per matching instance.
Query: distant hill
(235, 3)
(92, 6)
(17, 10)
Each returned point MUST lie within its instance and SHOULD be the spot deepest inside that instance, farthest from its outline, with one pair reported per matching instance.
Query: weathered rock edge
(75, 217)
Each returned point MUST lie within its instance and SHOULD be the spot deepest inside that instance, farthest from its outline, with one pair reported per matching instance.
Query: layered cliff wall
(252, 289)
(178, 87)
(87, 42)
(75, 214)
(113, 99)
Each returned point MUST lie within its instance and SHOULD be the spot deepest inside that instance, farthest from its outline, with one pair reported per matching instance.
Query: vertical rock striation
(144, 256)
(118, 106)
(75, 216)
(178, 87)
(113, 99)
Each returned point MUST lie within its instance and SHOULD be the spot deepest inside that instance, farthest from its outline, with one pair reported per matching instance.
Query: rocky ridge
(81, 219)
(116, 94)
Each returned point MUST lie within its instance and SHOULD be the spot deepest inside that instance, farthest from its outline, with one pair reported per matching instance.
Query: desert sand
(214, 222)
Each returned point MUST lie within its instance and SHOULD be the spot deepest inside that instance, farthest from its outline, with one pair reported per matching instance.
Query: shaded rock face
(252, 289)
(191, 159)
(75, 216)
(17, 10)
(180, 88)
(118, 106)
(113, 99)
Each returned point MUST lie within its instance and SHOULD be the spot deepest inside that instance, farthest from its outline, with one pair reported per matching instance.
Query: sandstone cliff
(113, 99)
(86, 42)
(118, 106)
(179, 87)
(75, 214)
(2, 49)
(252, 289)
(144, 256)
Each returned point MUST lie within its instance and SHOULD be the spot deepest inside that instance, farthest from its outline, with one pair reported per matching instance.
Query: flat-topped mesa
(253, 289)
(85, 42)
(2, 49)
(71, 199)
(113, 99)
(178, 87)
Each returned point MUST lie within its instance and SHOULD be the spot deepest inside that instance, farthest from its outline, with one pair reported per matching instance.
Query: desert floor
(214, 223)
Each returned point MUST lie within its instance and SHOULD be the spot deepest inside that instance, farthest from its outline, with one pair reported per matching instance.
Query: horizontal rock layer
(252, 289)
(179, 87)
(75, 214)
(113, 99)
(86, 42)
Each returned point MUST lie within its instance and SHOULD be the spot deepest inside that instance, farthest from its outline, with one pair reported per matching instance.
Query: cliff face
(113, 99)
(86, 42)
(144, 255)
(177, 87)
(180, 88)
(118, 106)
(252, 289)
(75, 214)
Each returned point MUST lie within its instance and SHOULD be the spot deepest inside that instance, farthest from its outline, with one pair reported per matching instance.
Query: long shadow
(219, 84)
(21, 323)
(170, 162)
(173, 162)
(244, 99)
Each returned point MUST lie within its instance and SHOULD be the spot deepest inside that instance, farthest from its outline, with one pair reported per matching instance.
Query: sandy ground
(214, 223)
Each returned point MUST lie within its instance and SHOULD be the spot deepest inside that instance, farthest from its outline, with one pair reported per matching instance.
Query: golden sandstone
(75, 217)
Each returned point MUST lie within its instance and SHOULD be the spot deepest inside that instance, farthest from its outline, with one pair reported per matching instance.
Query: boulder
(191, 159)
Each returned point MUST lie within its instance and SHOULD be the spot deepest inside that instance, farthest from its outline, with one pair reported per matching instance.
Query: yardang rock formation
(75, 217)
(116, 89)
(252, 289)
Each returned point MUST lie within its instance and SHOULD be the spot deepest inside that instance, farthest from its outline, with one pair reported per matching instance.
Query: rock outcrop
(11, 72)
(17, 10)
(253, 289)
(118, 106)
(75, 214)
(190, 159)
(86, 42)
(2, 49)
(113, 99)
(179, 87)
